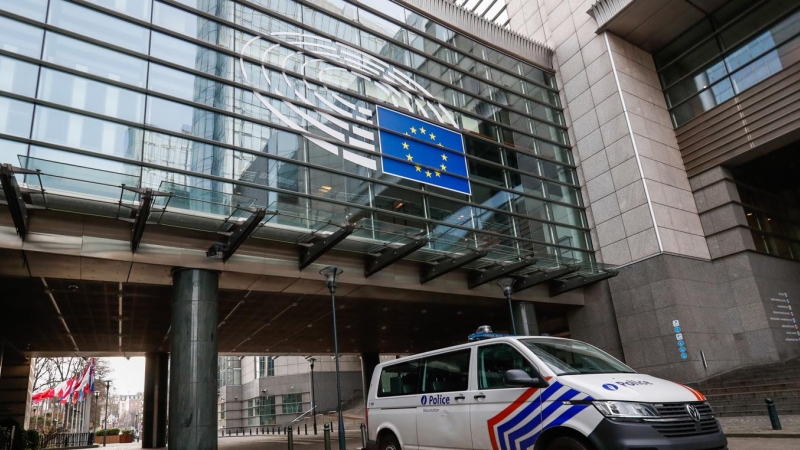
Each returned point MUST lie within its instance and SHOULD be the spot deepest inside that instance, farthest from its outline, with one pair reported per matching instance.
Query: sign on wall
(421, 151)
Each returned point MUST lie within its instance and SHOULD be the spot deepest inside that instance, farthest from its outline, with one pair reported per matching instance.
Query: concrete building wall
(682, 245)
(633, 178)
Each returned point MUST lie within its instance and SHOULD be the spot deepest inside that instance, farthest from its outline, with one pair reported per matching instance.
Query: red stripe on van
(507, 412)
(700, 397)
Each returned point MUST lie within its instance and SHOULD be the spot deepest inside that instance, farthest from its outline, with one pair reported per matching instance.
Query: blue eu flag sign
(421, 151)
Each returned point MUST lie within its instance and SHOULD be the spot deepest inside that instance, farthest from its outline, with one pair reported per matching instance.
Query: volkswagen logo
(693, 413)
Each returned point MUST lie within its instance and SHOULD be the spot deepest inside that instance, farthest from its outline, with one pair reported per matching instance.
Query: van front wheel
(566, 443)
(389, 442)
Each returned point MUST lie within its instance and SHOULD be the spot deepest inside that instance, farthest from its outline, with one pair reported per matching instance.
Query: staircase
(742, 392)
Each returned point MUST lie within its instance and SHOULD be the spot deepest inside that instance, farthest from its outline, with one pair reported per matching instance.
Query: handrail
(301, 416)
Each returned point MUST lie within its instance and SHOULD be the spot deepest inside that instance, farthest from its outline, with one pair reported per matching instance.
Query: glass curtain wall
(732, 50)
(271, 103)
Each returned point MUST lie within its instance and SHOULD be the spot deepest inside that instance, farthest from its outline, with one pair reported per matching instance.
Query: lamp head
(507, 285)
(331, 273)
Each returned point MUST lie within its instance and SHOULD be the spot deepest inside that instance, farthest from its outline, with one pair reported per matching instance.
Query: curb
(768, 435)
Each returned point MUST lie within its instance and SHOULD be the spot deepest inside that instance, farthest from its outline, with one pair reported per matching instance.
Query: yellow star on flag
(444, 157)
(438, 174)
(413, 130)
(444, 168)
(428, 173)
(433, 136)
(422, 129)
(409, 157)
(405, 145)
(419, 168)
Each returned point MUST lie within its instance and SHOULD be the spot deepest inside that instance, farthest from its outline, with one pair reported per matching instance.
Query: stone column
(525, 318)
(15, 379)
(193, 361)
(154, 415)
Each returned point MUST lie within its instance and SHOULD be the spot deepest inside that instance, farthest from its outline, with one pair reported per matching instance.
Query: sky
(128, 375)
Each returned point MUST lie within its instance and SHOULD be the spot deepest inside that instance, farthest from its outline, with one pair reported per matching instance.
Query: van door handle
(480, 397)
(459, 397)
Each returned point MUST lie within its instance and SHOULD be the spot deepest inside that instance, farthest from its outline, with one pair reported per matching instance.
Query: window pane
(192, 56)
(181, 118)
(10, 151)
(139, 9)
(190, 87)
(20, 38)
(99, 61)
(34, 9)
(15, 117)
(446, 373)
(495, 360)
(399, 379)
(18, 77)
(97, 25)
(74, 130)
(90, 95)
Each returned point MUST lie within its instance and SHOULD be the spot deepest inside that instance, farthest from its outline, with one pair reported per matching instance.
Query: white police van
(541, 393)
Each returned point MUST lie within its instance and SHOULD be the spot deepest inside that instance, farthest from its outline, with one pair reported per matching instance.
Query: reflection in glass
(89, 58)
(94, 24)
(15, 117)
(21, 38)
(18, 77)
(33, 9)
(82, 93)
(87, 133)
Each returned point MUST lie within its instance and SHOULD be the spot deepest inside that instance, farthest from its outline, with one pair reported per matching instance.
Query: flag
(421, 151)
(86, 383)
(64, 390)
(43, 393)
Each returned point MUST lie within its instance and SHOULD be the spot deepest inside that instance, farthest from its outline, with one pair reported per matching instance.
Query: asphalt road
(255, 443)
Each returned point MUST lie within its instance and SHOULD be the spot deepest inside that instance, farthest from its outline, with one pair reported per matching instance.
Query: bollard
(306, 429)
(326, 431)
(251, 431)
(291, 439)
(773, 414)
(363, 427)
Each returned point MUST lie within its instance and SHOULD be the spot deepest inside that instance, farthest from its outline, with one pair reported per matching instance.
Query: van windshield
(568, 357)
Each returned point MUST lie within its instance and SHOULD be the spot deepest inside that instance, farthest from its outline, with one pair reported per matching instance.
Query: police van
(540, 393)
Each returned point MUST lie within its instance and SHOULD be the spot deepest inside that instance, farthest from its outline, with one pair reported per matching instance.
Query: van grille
(679, 424)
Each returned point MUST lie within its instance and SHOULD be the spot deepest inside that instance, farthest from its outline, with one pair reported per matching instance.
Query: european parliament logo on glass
(421, 151)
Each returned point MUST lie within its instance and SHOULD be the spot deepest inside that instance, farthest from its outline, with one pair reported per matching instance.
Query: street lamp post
(331, 273)
(105, 422)
(96, 409)
(507, 285)
(313, 396)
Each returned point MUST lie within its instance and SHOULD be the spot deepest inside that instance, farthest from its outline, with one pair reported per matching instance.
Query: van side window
(399, 379)
(495, 360)
(446, 372)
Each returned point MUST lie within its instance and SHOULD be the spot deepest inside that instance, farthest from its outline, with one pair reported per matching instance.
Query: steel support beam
(481, 277)
(535, 278)
(375, 264)
(310, 253)
(431, 271)
(142, 214)
(561, 286)
(16, 204)
(237, 238)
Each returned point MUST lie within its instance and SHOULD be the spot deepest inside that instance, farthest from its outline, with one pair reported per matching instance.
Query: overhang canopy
(650, 24)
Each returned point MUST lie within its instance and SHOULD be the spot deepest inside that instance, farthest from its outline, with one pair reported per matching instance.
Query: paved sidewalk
(759, 426)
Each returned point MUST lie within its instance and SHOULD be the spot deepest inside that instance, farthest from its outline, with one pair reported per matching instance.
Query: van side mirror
(520, 378)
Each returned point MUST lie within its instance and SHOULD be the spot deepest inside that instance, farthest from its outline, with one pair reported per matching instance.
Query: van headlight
(626, 410)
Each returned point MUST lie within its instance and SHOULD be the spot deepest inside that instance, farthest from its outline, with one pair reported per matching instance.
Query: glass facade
(730, 51)
(228, 105)
(261, 411)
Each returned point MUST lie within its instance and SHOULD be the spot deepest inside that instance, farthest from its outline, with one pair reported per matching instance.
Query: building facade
(258, 391)
(651, 140)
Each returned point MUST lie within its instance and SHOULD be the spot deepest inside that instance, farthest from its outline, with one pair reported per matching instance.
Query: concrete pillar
(368, 363)
(525, 318)
(193, 360)
(16, 372)
(154, 414)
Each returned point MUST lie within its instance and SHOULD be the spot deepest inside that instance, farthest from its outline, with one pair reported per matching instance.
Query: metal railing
(61, 440)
